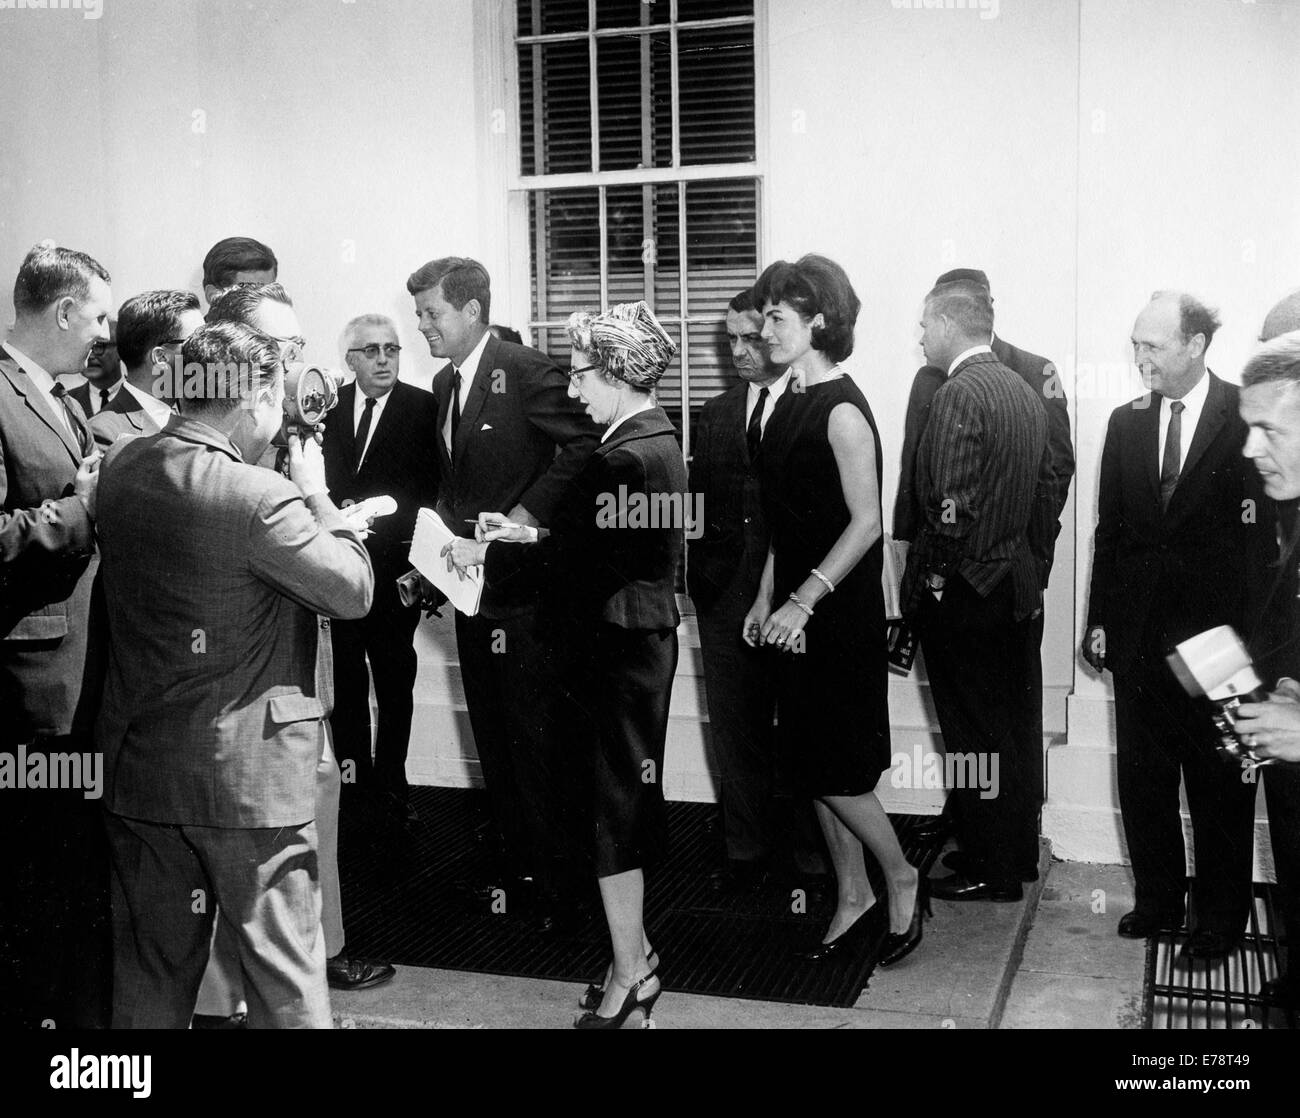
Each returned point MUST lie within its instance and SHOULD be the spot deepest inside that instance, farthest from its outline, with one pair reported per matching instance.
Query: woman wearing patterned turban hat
(611, 552)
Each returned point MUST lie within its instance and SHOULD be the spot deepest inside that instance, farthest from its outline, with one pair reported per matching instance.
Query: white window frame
(520, 186)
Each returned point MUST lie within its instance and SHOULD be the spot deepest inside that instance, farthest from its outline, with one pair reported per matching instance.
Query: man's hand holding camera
(1272, 729)
(307, 465)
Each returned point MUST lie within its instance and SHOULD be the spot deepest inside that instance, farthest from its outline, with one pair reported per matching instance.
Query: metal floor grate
(402, 903)
(1182, 993)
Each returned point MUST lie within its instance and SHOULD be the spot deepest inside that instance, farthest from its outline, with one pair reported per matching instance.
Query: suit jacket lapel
(1148, 420)
(347, 426)
(477, 394)
(383, 428)
(1213, 417)
(441, 388)
(36, 401)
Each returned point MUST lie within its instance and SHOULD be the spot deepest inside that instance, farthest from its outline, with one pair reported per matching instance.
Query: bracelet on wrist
(830, 586)
(801, 604)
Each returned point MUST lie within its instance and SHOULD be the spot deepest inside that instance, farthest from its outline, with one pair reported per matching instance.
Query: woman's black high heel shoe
(899, 945)
(594, 994)
(842, 942)
(632, 1002)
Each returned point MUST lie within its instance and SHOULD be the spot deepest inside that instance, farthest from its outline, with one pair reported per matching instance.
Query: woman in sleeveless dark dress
(820, 600)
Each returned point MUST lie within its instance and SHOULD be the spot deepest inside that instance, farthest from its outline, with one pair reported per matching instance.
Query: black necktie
(103, 398)
(754, 433)
(455, 404)
(1171, 464)
(363, 429)
(75, 428)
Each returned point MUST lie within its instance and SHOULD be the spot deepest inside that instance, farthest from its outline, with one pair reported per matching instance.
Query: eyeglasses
(372, 351)
(584, 369)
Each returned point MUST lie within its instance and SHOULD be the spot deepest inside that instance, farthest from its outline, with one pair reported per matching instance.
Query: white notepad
(431, 536)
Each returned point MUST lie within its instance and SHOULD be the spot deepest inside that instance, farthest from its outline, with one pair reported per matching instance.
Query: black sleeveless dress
(832, 697)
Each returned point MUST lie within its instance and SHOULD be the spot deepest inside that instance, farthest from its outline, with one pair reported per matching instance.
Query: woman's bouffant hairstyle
(814, 285)
(627, 341)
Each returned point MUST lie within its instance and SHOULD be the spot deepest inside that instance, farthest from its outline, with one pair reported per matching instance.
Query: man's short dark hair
(228, 258)
(815, 285)
(240, 304)
(150, 319)
(462, 279)
(974, 275)
(1278, 360)
(49, 273)
(1194, 317)
(224, 365)
(967, 303)
(743, 301)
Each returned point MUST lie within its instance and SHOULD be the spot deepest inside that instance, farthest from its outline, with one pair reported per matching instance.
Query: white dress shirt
(358, 409)
(965, 353)
(468, 371)
(97, 402)
(44, 385)
(774, 391)
(153, 407)
(1194, 402)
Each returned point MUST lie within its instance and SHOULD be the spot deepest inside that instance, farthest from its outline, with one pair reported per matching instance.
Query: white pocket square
(486, 427)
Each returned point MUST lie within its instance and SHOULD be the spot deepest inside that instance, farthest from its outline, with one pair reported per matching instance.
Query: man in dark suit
(1180, 547)
(103, 373)
(152, 327)
(509, 440)
(1041, 375)
(724, 565)
(212, 725)
(1037, 372)
(1270, 407)
(973, 582)
(380, 440)
(54, 889)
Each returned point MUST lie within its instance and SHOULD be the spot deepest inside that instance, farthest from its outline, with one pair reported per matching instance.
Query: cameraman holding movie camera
(212, 724)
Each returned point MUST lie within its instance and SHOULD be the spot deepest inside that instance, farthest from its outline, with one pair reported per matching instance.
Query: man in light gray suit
(211, 723)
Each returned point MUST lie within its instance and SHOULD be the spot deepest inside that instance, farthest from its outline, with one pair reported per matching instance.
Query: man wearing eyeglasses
(103, 373)
(152, 328)
(381, 440)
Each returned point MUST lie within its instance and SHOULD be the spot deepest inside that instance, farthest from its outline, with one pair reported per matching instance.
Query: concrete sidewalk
(1050, 961)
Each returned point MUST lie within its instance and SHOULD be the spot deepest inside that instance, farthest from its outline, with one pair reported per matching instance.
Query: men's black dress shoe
(346, 973)
(960, 862)
(1207, 943)
(1143, 925)
(960, 888)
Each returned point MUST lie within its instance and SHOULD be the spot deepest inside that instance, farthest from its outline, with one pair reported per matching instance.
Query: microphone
(1215, 665)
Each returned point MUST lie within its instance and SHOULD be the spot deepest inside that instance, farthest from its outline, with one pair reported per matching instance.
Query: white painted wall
(343, 135)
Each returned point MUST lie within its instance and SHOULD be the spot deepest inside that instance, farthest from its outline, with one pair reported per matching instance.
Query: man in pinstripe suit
(973, 584)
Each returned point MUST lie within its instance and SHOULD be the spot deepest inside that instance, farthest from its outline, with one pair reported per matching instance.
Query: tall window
(637, 152)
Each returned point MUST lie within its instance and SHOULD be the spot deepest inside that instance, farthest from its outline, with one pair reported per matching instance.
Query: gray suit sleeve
(316, 560)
